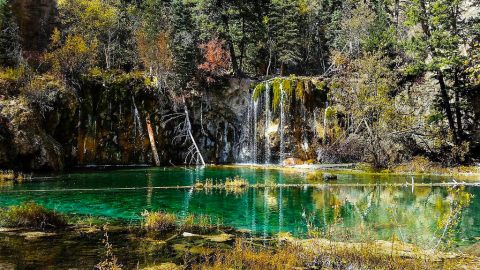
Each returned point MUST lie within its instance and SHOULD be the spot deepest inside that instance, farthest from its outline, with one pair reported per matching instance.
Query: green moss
(300, 90)
(330, 113)
(320, 85)
(259, 89)
(287, 86)
(276, 87)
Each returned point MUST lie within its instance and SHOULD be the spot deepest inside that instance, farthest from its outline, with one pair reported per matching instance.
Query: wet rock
(219, 238)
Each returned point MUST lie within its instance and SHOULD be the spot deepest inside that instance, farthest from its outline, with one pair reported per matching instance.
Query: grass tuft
(32, 216)
(159, 221)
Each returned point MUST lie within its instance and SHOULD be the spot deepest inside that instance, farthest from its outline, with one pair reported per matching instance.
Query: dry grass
(424, 166)
(30, 215)
(247, 256)
(333, 256)
(199, 224)
(167, 222)
(159, 221)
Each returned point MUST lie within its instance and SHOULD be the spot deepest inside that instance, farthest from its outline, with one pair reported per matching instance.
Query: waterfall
(136, 119)
(254, 135)
(245, 140)
(137, 127)
(282, 125)
(267, 124)
(226, 145)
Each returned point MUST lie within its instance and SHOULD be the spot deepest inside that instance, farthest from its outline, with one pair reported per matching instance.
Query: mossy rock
(313, 177)
(329, 177)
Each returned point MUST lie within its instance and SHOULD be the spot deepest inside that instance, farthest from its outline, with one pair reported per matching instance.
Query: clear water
(376, 212)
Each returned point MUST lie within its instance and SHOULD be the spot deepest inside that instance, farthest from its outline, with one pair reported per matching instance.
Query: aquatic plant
(159, 221)
(111, 261)
(7, 175)
(207, 184)
(31, 215)
(236, 182)
(198, 224)
(315, 176)
(11, 176)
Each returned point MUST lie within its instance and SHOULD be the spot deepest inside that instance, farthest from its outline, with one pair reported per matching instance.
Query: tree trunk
(446, 104)
(458, 112)
(152, 141)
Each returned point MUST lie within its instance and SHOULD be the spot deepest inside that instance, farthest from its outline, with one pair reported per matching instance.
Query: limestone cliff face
(36, 20)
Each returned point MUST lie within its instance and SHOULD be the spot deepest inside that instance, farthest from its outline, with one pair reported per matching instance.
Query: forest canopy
(380, 59)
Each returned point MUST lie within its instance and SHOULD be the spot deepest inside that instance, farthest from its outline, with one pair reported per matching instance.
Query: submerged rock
(36, 235)
(218, 238)
(329, 177)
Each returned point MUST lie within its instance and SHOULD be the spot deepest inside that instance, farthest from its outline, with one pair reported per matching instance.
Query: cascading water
(136, 119)
(137, 127)
(268, 152)
(282, 125)
(254, 135)
(293, 136)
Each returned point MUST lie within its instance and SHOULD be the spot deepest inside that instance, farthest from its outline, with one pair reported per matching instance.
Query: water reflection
(427, 216)
(423, 215)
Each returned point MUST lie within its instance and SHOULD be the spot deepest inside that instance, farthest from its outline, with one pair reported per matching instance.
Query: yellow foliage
(89, 17)
(74, 55)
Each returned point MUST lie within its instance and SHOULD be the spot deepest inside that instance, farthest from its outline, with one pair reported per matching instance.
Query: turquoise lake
(373, 211)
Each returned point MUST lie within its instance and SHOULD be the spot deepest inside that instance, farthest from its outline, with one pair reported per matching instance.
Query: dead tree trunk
(152, 141)
(189, 130)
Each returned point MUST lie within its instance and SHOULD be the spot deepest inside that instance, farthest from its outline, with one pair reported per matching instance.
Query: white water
(282, 124)
(254, 135)
(268, 152)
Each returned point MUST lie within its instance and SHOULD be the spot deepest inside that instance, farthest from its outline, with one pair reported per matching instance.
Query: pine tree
(183, 41)
(10, 48)
(285, 33)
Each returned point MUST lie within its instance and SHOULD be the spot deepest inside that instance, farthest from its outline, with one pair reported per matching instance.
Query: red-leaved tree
(217, 59)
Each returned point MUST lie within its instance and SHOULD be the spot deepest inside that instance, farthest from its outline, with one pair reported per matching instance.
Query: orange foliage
(217, 58)
(155, 54)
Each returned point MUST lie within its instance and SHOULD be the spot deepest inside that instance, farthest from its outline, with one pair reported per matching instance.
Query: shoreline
(347, 169)
(200, 246)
